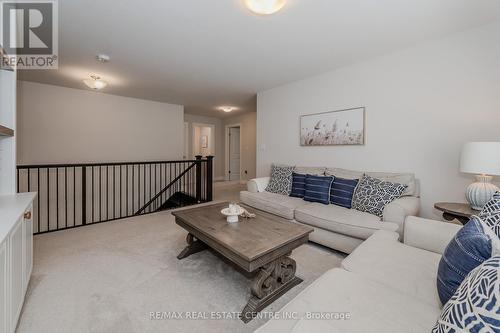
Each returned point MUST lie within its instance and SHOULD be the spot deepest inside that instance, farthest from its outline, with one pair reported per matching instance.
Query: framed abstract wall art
(333, 128)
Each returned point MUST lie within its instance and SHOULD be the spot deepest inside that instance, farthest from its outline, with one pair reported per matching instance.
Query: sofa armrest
(399, 209)
(258, 184)
(430, 235)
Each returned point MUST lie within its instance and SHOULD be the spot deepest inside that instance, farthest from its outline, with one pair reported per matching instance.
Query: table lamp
(483, 160)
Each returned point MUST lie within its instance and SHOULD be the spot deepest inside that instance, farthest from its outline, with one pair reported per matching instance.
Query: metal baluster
(74, 196)
(48, 201)
(38, 198)
(114, 190)
(57, 197)
(65, 197)
(92, 174)
(107, 193)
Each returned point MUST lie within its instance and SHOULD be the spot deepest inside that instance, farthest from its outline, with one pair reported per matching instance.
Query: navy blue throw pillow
(342, 191)
(298, 185)
(318, 189)
(467, 250)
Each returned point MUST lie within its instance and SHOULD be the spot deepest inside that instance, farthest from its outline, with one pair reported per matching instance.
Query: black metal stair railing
(74, 195)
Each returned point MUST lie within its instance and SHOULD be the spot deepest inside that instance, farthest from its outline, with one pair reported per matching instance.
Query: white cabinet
(3, 288)
(28, 246)
(16, 252)
(16, 256)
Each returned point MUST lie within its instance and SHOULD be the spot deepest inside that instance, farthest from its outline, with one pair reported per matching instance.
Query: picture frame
(204, 141)
(334, 128)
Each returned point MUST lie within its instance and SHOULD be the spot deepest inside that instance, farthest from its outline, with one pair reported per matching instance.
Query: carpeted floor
(110, 277)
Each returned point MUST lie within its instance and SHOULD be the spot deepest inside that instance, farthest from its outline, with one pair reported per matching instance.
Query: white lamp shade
(481, 158)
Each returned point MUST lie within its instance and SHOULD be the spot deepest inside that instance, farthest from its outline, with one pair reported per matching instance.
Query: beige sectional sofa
(336, 227)
(382, 286)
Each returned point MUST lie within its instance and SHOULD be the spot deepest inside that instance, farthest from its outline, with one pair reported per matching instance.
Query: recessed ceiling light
(265, 7)
(95, 82)
(227, 109)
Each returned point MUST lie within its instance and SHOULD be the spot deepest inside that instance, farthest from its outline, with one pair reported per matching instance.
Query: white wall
(63, 125)
(219, 140)
(248, 122)
(422, 104)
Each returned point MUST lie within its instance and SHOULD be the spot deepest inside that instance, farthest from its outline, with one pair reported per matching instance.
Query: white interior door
(234, 153)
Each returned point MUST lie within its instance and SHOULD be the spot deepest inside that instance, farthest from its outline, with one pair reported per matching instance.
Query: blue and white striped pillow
(342, 191)
(318, 189)
(298, 185)
(471, 246)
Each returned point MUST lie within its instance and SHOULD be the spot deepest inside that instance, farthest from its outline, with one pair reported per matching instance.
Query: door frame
(226, 148)
(212, 137)
(187, 147)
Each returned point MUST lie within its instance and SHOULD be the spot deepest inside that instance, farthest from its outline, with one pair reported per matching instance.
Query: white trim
(226, 148)
(186, 150)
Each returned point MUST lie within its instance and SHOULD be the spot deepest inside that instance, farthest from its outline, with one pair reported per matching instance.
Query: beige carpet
(109, 277)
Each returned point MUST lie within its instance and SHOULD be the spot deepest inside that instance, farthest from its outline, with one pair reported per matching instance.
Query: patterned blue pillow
(490, 214)
(342, 191)
(318, 189)
(373, 194)
(298, 185)
(475, 306)
(281, 179)
(470, 247)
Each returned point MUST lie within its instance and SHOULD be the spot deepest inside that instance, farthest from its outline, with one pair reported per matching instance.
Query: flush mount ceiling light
(227, 109)
(104, 58)
(95, 82)
(265, 7)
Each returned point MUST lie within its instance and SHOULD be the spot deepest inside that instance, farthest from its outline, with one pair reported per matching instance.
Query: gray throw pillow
(281, 179)
(372, 195)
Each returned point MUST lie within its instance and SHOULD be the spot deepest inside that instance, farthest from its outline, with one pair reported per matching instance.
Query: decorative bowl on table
(232, 212)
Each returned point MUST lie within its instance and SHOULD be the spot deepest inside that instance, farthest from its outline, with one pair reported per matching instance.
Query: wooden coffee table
(260, 246)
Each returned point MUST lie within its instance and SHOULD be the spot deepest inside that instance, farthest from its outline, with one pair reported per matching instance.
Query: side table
(454, 210)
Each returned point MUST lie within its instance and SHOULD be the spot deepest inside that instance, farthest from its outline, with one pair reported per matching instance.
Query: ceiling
(207, 53)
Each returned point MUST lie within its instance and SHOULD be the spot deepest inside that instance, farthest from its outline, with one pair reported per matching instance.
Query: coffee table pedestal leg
(272, 281)
(194, 246)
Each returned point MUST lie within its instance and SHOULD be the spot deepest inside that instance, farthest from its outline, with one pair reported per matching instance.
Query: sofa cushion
(344, 173)
(273, 203)
(368, 307)
(372, 195)
(471, 246)
(341, 220)
(317, 171)
(409, 270)
(298, 185)
(281, 179)
(318, 189)
(401, 178)
(342, 190)
(475, 305)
